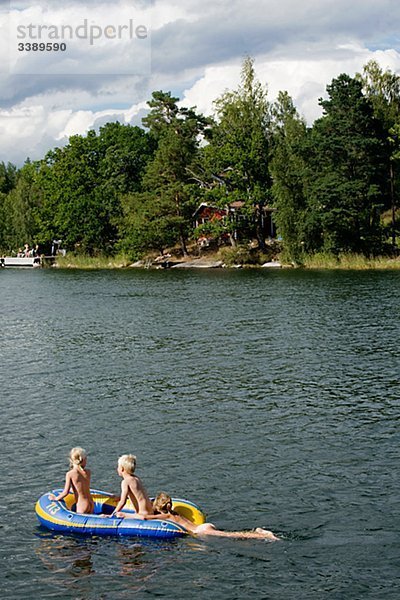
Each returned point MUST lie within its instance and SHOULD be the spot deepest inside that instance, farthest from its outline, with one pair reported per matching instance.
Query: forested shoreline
(332, 187)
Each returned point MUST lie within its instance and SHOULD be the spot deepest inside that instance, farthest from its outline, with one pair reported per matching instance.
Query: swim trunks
(204, 528)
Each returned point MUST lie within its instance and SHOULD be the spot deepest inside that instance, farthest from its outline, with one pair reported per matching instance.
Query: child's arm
(160, 517)
(123, 499)
(66, 489)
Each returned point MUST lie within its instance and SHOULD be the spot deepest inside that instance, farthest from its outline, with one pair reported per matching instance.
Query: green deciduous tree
(74, 211)
(8, 178)
(239, 146)
(147, 225)
(124, 152)
(21, 208)
(288, 170)
(83, 184)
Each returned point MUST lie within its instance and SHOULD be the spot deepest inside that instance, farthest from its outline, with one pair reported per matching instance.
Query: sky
(115, 54)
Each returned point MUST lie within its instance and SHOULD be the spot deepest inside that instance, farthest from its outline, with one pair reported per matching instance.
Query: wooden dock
(21, 262)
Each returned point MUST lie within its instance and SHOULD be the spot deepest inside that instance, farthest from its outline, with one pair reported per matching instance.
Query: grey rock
(199, 264)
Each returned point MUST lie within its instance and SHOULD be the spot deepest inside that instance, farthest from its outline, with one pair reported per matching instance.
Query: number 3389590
(42, 47)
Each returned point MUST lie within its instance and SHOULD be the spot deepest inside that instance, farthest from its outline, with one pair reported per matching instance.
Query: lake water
(268, 398)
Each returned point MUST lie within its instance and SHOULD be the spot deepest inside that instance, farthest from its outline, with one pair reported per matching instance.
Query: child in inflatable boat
(162, 506)
(78, 479)
(132, 488)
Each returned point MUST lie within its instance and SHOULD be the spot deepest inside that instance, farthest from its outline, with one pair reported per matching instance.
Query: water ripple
(271, 399)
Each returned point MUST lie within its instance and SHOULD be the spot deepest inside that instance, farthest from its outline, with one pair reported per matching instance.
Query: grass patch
(244, 256)
(79, 261)
(356, 262)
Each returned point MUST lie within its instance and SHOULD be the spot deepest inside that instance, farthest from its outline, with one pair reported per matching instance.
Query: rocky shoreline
(168, 262)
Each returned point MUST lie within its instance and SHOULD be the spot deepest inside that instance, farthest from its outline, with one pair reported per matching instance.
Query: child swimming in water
(162, 506)
(133, 488)
(77, 479)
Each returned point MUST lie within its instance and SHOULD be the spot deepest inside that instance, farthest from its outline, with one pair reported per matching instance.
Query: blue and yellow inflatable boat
(59, 516)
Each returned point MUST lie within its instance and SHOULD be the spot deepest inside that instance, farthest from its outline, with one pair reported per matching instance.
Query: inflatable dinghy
(59, 516)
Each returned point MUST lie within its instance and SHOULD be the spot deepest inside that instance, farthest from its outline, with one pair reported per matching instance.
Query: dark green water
(270, 399)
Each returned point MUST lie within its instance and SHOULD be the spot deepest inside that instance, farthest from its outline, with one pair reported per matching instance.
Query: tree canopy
(332, 186)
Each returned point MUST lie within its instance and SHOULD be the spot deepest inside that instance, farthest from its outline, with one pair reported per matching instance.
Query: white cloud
(112, 39)
(32, 131)
(304, 78)
(197, 52)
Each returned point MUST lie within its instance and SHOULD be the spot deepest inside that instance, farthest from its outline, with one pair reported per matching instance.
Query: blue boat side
(54, 515)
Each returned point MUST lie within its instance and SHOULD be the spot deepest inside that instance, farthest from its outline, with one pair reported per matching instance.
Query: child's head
(127, 462)
(162, 503)
(77, 456)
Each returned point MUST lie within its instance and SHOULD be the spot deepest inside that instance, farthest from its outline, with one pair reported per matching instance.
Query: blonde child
(133, 488)
(162, 506)
(77, 479)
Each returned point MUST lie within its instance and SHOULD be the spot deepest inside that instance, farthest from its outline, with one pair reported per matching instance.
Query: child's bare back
(137, 494)
(132, 488)
(80, 483)
(78, 479)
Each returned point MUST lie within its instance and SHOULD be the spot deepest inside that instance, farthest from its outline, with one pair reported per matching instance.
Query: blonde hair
(128, 463)
(160, 503)
(77, 456)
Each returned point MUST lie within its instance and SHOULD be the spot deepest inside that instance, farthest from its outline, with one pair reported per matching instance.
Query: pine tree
(383, 90)
(347, 164)
(168, 180)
